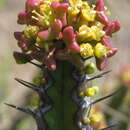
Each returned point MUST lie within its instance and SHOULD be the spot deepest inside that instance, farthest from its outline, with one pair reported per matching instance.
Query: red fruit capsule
(100, 5)
(117, 26)
(74, 47)
(25, 18)
(32, 4)
(101, 17)
(56, 28)
(101, 63)
(106, 42)
(22, 18)
(18, 36)
(112, 27)
(69, 37)
(113, 52)
(60, 7)
(68, 34)
(44, 35)
(24, 45)
(51, 63)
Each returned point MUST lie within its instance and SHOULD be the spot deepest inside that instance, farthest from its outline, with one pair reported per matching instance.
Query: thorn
(99, 75)
(81, 102)
(87, 58)
(83, 78)
(103, 98)
(111, 126)
(76, 99)
(79, 78)
(27, 111)
(40, 111)
(37, 65)
(29, 85)
(48, 85)
(49, 81)
(46, 109)
(76, 77)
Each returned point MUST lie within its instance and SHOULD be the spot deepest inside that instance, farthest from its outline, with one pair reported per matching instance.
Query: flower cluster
(59, 30)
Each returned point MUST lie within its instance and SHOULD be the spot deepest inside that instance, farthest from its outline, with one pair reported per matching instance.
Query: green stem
(63, 112)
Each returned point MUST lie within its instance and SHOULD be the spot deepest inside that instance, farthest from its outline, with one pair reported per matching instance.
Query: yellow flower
(76, 3)
(88, 13)
(45, 15)
(73, 11)
(30, 32)
(86, 50)
(100, 50)
(75, 6)
(90, 33)
(90, 68)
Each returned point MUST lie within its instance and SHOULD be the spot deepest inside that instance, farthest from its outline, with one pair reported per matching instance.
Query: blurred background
(116, 109)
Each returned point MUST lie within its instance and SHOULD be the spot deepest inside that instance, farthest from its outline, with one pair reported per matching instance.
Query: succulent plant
(70, 40)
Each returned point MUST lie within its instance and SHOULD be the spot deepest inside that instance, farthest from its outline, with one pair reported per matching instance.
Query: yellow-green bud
(86, 50)
(30, 32)
(91, 91)
(81, 94)
(35, 101)
(90, 68)
(38, 80)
